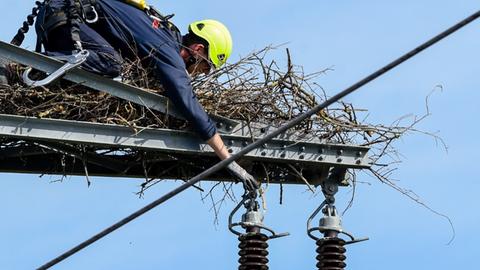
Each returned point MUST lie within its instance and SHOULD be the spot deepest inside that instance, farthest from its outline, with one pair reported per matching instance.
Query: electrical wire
(260, 142)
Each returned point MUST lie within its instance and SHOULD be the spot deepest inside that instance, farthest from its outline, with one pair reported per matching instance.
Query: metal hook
(72, 61)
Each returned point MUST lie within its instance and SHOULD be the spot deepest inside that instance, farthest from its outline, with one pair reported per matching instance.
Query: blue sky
(41, 219)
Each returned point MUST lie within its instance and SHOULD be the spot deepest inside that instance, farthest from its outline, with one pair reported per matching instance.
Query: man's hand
(220, 149)
(248, 180)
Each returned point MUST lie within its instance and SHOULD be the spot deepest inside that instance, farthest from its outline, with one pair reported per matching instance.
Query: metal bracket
(253, 218)
(175, 141)
(72, 61)
(330, 224)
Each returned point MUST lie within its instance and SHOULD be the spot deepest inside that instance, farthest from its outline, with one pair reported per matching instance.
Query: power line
(267, 138)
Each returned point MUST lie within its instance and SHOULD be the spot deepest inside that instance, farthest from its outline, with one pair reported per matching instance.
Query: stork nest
(254, 89)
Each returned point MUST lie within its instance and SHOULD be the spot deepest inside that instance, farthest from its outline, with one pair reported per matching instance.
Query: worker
(113, 30)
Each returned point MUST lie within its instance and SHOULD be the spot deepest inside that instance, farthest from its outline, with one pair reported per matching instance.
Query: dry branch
(254, 89)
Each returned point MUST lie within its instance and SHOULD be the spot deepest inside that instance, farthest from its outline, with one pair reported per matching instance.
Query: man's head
(207, 45)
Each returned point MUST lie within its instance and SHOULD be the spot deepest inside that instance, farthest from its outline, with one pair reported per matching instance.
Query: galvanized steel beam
(180, 142)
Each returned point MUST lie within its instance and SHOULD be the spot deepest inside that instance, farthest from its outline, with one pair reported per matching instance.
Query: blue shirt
(132, 32)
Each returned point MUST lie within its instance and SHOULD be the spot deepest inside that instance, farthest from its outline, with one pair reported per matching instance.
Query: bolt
(284, 146)
(302, 148)
(263, 130)
(320, 158)
(283, 155)
(231, 142)
(264, 145)
(230, 150)
(339, 152)
(301, 157)
(264, 153)
(244, 143)
(321, 150)
(219, 125)
(339, 160)
(229, 128)
(359, 153)
(359, 161)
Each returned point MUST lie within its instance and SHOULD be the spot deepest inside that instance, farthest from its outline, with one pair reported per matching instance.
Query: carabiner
(72, 61)
(93, 12)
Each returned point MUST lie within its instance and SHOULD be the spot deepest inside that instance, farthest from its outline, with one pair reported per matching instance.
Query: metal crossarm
(180, 142)
(99, 83)
(52, 146)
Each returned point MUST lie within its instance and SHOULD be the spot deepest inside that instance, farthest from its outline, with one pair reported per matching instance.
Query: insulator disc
(253, 251)
(331, 254)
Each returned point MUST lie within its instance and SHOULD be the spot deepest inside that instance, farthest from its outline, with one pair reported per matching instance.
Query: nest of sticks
(254, 89)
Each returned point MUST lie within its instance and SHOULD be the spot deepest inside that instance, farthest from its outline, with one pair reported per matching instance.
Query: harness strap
(74, 19)
(75, 13)
(80, 11)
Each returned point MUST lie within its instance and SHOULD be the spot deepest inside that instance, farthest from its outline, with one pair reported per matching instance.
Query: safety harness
(75, 13)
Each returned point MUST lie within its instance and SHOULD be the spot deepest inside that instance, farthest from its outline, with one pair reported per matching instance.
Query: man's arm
(218, 146)
(249, 182)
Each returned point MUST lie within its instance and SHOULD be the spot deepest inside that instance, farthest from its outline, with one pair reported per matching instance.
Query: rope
(20, 36)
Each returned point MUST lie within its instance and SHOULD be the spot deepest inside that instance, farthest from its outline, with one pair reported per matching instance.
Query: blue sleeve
(170, 70)
(161, 48)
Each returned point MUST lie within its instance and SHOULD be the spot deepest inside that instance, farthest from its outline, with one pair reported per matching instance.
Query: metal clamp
(72, 61)
(253, 218)
(330, 224)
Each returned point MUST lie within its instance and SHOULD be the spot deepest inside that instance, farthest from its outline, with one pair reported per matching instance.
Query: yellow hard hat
(218, 38)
